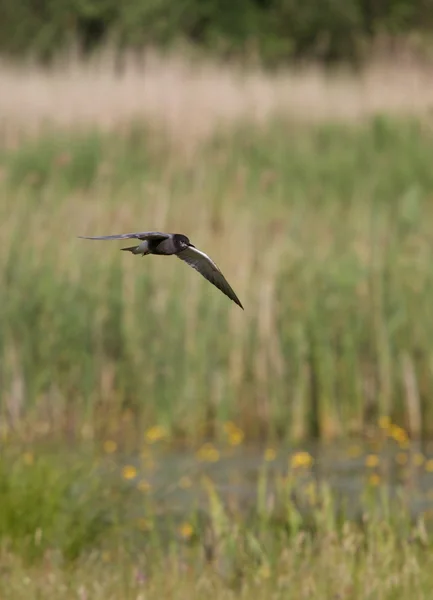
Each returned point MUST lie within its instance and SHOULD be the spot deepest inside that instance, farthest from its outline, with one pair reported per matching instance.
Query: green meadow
(323, 231)
(111, 365)
(93, 525)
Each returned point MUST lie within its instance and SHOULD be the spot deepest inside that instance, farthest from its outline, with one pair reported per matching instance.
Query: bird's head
(182, 241)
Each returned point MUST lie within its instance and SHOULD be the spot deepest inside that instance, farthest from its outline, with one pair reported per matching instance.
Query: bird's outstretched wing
(143, 235)
(201, 262)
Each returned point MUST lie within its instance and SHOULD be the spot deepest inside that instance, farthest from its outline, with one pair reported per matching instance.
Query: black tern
(166, 244)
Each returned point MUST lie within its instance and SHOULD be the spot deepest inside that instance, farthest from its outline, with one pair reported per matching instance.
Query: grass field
(323, 232)
(319, 213)
(349, 565)
(90, 525)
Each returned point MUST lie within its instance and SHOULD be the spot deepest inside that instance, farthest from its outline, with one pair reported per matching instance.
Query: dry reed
(192, 98)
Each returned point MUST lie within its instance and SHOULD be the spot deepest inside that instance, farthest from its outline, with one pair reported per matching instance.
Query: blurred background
(292, 141)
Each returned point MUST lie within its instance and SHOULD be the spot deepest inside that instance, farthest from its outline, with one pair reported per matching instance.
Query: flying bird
(166, 244)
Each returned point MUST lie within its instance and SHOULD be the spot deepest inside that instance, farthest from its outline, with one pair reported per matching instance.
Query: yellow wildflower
(129, 472)
(418, 459)
(374, 479)
(229, 426)
(234, 433)
(155, 434)
(264, 571)
(371, 461)
(236, 437)
(208, 453)
(301, 459)
(384, 422)
(144, 486)
(186, 530)
(110, 446)
(398, 434)
(429, 465)
(354, 451)
(270, 455)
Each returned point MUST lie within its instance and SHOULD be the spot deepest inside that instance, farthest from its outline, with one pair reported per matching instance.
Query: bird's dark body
(177, 244)
(168, 246)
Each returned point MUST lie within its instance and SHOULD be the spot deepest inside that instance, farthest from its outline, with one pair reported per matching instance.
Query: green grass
(71, 526)
(324, 233)
(328, 569)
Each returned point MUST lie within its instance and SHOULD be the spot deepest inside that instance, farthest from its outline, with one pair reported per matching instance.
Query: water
(175, 479)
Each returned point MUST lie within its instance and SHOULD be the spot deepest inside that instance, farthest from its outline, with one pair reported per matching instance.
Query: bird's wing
(201, 262)
(143, 235)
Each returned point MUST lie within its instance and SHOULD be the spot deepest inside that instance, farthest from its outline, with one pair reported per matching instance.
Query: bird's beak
(191, 245)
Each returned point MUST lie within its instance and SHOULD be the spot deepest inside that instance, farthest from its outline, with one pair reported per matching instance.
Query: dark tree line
(274, 30)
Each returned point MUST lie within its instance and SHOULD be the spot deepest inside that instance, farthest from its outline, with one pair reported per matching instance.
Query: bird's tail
(135, 250)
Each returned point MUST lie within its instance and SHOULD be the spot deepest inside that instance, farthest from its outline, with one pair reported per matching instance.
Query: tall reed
(324, 233)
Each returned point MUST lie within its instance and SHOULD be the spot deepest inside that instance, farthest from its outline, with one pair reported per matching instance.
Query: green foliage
(75, 501)
(70, 525)
(278, 30)
(76, 161)
(48, 503)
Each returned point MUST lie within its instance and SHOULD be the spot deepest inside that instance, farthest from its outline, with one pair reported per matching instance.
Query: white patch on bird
(205, 256)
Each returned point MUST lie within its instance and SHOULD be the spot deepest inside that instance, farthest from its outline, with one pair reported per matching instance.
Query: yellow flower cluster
(394, 431)
(186, 530)
(301, 460)
(155, 434)
(144, 486)
(129, 472)
(110, 446)
(235, 435)
(270, 455)
(371, 461)
(208, 453)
